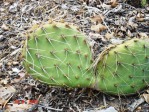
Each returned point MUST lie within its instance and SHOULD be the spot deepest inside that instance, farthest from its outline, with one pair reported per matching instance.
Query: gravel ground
(120, 21)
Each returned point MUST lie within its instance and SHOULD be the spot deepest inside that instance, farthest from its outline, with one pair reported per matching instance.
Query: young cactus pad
(124, 69)
(59, 55)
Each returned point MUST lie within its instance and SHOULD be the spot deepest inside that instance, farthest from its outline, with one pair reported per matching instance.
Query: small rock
(16, 70)
(116, 41)
(13, 47)
(139, 108)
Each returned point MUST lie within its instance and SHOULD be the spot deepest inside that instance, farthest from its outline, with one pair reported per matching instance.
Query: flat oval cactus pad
(59, 55)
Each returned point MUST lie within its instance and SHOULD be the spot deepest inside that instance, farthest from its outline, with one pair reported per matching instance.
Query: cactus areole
(59, 55)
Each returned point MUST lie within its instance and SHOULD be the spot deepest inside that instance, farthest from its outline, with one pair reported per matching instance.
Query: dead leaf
(146, 97)
(34, 27)
(123, 28)
(97, 18)
(120, 34)
(5, 27)
(21, 76)
(106, 6)
(15, 51)
(140, 15)
(109, 35)
(114, 3)
(98, 28)
(129, 34)
(15, 63)
(7, 2)
(2, 9)
(131, 23)
(143, 35)
(148, 91)
(140, 19)
(5, 93)
(4, 81)
(18, 107)
(96, 36)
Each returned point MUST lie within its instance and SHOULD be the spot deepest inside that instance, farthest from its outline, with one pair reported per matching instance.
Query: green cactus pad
(59, 55)
(124, 69)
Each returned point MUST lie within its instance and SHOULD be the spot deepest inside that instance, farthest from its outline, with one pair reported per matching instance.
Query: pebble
(16, 70)
(15, 63)
(9, 63)
(116, 41)
(2, 38)
(13, 47)
(139, 108)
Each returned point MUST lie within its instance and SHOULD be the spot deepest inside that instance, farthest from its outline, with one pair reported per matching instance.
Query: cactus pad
(124, 69)
(59, 55)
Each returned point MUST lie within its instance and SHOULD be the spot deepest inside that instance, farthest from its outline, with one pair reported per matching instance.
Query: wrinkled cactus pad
(59, 55)
(124, 69)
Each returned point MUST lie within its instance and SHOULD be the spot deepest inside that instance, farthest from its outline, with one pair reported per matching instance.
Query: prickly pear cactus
(124, 69)
(58, 54)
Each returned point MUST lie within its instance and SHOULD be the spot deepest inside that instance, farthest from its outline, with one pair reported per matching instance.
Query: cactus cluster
(59, 55)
